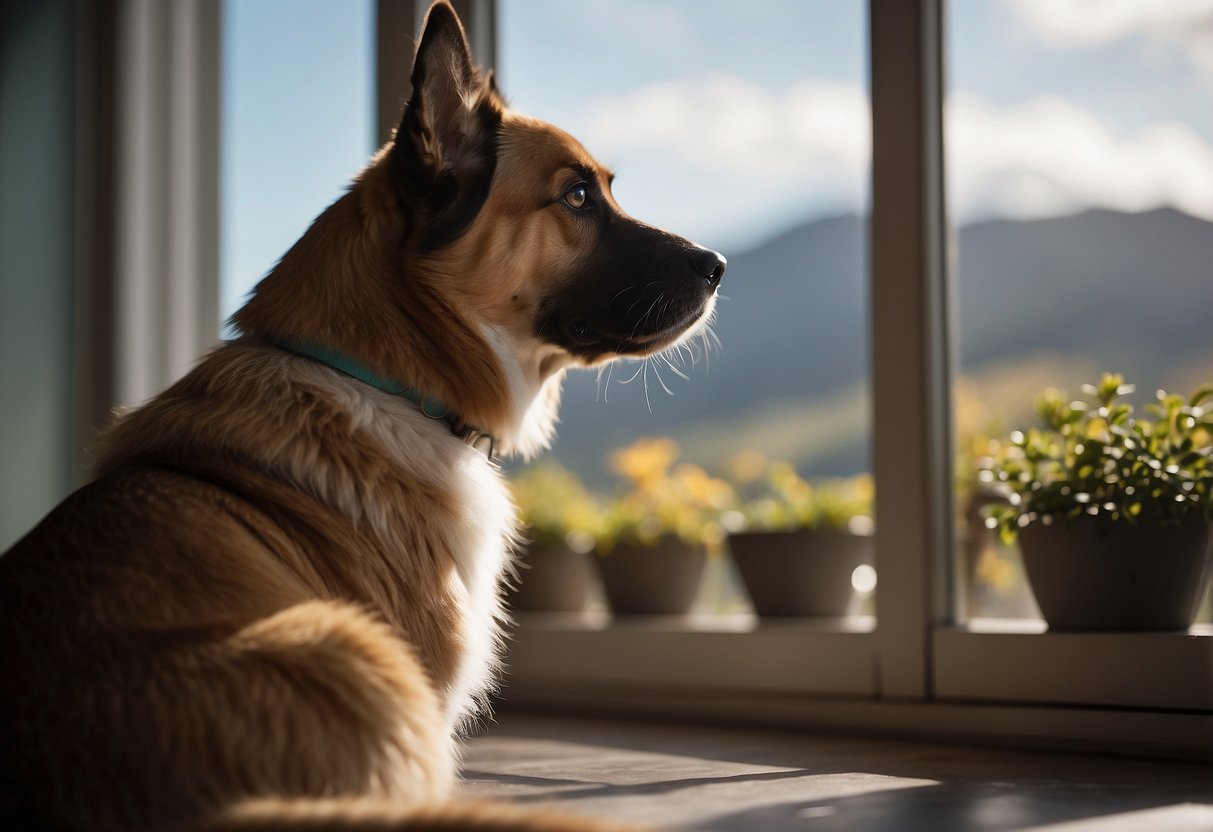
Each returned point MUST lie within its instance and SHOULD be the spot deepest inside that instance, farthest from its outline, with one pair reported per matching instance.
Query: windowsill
(987, 660)
(1132, 731)
(1018, 662)
(718, 653)
(1037, 626)
(998, 681)
(598, 620)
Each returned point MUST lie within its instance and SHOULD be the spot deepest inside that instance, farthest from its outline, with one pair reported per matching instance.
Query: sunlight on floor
(1184, 817)
(728, 780)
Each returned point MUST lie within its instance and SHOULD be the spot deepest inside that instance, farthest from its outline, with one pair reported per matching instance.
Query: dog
(278, 604)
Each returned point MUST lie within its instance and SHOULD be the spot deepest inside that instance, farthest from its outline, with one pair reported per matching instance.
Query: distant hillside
(1041, 302)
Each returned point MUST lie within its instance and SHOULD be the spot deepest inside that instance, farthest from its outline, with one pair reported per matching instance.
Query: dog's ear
(445, 149)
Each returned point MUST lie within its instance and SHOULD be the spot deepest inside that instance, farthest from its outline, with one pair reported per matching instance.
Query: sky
(730, 122)
(296, 123)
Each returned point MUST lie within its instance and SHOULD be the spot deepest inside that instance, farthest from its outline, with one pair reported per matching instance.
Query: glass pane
(745, 127)
(1080, 175)
(297, 123)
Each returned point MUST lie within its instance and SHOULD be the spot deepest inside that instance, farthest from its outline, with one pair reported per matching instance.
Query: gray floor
(722, 779)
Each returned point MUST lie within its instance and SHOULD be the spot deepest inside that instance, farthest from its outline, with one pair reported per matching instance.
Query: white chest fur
(478, 538)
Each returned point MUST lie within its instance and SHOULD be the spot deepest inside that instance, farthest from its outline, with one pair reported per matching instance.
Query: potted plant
(1112, 512)
(797, 545)
(562, 520)
(660, 530)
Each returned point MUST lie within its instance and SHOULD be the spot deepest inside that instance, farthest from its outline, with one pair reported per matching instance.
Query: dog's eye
(577, 196)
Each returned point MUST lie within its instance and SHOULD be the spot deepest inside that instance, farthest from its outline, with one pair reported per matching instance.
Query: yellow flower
(697, 487)
(746, 467)
(865, 488)
(645, 460)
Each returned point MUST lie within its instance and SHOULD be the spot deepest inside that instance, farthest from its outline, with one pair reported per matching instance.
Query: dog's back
(189, 631)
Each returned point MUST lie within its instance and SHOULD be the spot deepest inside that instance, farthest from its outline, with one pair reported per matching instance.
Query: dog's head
(505, 233)
(524, 215)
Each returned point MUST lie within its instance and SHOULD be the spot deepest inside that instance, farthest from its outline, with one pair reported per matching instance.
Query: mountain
(1041, 302)
(1137, 288)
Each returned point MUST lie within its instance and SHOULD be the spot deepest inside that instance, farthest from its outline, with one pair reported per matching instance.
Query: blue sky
(730, 122)
(296, 124)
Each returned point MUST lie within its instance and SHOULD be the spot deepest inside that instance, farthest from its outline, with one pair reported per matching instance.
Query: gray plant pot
(652, 580)
(553, 579)
(802, 572)
(1140, 576)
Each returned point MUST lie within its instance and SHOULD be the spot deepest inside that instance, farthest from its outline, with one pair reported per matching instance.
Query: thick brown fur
(277, 604)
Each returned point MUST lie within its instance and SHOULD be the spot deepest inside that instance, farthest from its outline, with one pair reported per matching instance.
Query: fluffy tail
(360, 815)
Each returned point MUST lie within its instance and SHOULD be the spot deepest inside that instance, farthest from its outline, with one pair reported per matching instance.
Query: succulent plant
(1095, 457)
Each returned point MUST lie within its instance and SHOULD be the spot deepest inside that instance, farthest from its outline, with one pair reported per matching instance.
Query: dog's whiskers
(622, 291)
(634, 375)
(656, 371)
(674, 369)
(648, 404)
(643, 318)
(606, 392)
(660, 380)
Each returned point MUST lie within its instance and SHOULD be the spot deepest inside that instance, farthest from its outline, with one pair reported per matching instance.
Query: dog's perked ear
(445, 149)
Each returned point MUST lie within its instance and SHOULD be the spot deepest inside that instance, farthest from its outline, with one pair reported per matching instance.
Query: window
(761, 151)
(927, 667)
(1080, 164)
(1080, 173)
(297, 123)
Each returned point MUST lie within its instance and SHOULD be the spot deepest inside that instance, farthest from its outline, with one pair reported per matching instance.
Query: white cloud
(1047, 156)
(767, 156)
(1070, 24)
(725, 160)
(724, 122)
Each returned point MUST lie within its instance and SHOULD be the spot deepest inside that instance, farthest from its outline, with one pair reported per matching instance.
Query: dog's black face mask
(636, 291)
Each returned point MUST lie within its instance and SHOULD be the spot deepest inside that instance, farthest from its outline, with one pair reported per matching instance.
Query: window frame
(927, 672)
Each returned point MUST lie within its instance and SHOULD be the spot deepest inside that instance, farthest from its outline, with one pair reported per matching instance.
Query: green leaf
(1111, 386)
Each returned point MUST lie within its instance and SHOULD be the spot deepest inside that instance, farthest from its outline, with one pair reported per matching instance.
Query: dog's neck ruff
(429, 406)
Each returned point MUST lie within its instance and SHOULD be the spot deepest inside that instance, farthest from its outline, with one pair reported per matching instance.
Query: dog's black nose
(709, 265)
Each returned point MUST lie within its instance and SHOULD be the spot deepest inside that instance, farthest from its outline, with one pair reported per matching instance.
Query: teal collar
(429, 406)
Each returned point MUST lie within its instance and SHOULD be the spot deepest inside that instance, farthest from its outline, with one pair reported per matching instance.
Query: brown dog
(278, 602)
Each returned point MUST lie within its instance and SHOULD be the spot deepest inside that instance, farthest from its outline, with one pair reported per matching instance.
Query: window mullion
(397, 25)
(395, 29)
(910, 340)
